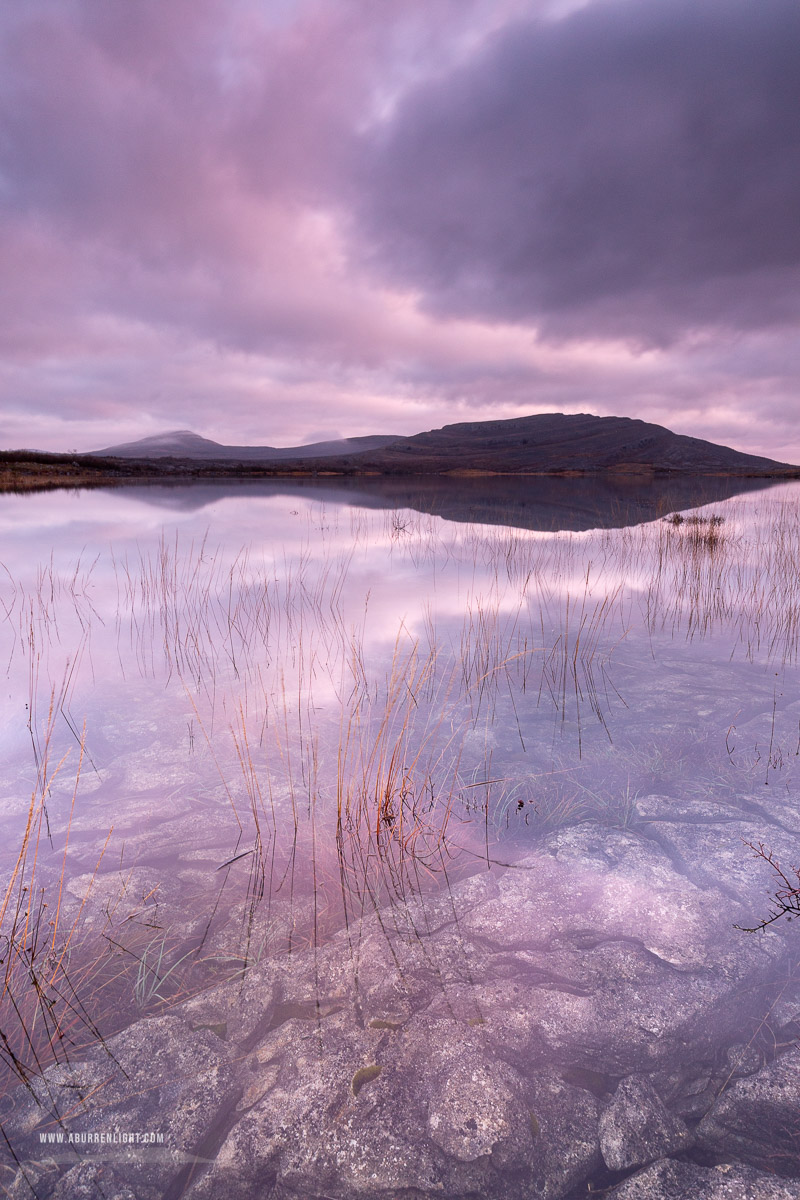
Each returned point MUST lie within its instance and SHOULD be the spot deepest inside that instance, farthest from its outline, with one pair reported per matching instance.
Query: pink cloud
(181, 190)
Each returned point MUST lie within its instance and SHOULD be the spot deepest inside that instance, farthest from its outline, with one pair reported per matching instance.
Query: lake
(392, 840)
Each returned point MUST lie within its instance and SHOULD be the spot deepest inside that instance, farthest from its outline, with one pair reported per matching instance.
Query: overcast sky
(272, 221)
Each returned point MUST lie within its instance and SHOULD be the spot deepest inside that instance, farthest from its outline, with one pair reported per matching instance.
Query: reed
(344, 739)
(44, 1013)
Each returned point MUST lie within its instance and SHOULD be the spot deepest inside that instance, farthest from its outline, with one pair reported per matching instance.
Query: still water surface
(249, 717)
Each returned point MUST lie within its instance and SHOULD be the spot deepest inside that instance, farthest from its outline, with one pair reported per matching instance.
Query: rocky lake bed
(587, 1014)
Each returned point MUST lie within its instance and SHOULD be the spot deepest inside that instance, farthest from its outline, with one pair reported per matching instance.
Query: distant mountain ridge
(543, 444)
(183, 443)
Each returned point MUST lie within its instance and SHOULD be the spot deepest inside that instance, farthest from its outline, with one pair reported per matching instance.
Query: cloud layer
(262, 220)
(632, 170)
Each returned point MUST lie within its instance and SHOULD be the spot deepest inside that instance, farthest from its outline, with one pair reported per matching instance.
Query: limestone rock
(636, 1128)
(476, 1108)
(88, 1180)
(456, 1045)
(158, 1077)
(785, 1012)
(566, 1150)
(671, 1180)
(743, 1059)
(717, 854)
(441, 1116)
(34, 1179)
(758, 1118)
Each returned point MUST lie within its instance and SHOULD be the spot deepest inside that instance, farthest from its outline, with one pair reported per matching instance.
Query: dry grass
(47, 974)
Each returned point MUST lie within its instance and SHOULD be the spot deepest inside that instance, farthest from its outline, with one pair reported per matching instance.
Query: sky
(277, 221)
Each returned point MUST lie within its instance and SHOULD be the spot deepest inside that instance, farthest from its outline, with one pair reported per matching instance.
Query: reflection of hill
(588, 502)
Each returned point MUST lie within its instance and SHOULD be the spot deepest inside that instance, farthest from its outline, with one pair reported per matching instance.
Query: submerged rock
(452, 1046)
(564, 1120)
(758, 1118)
(671, 1180)
(442, 1117)
(34, 1179)
(87, 1181)
(636, 1128)
(145, 1101)
(743, 1060)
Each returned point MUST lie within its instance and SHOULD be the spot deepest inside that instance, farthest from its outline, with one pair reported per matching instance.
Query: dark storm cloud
(633, 169)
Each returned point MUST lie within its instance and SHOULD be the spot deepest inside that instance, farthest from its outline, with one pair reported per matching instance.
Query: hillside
(554, 442)
(549, 444)
(182, 443)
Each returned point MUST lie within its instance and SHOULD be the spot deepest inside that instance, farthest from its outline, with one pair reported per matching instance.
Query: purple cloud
(632, 170)
(265, 220)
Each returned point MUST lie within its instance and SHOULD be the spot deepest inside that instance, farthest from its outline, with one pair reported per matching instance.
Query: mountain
(544, 444)
(182, 443)
(555, 442)
(628, 451)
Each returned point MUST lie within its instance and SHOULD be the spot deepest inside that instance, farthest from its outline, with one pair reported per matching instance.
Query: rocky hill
(550, 444)
(555, 442)
(547, 443)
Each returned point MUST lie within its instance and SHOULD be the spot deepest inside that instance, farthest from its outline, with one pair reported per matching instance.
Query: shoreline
(19, 474)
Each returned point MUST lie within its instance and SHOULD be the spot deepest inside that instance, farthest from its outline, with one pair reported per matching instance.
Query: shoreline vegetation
(27, 472)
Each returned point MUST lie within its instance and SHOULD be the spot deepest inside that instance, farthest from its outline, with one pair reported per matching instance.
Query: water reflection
(544, 503)
(274, 725)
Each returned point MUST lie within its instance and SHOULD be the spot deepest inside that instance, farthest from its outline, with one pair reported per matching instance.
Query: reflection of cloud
(262, 222)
